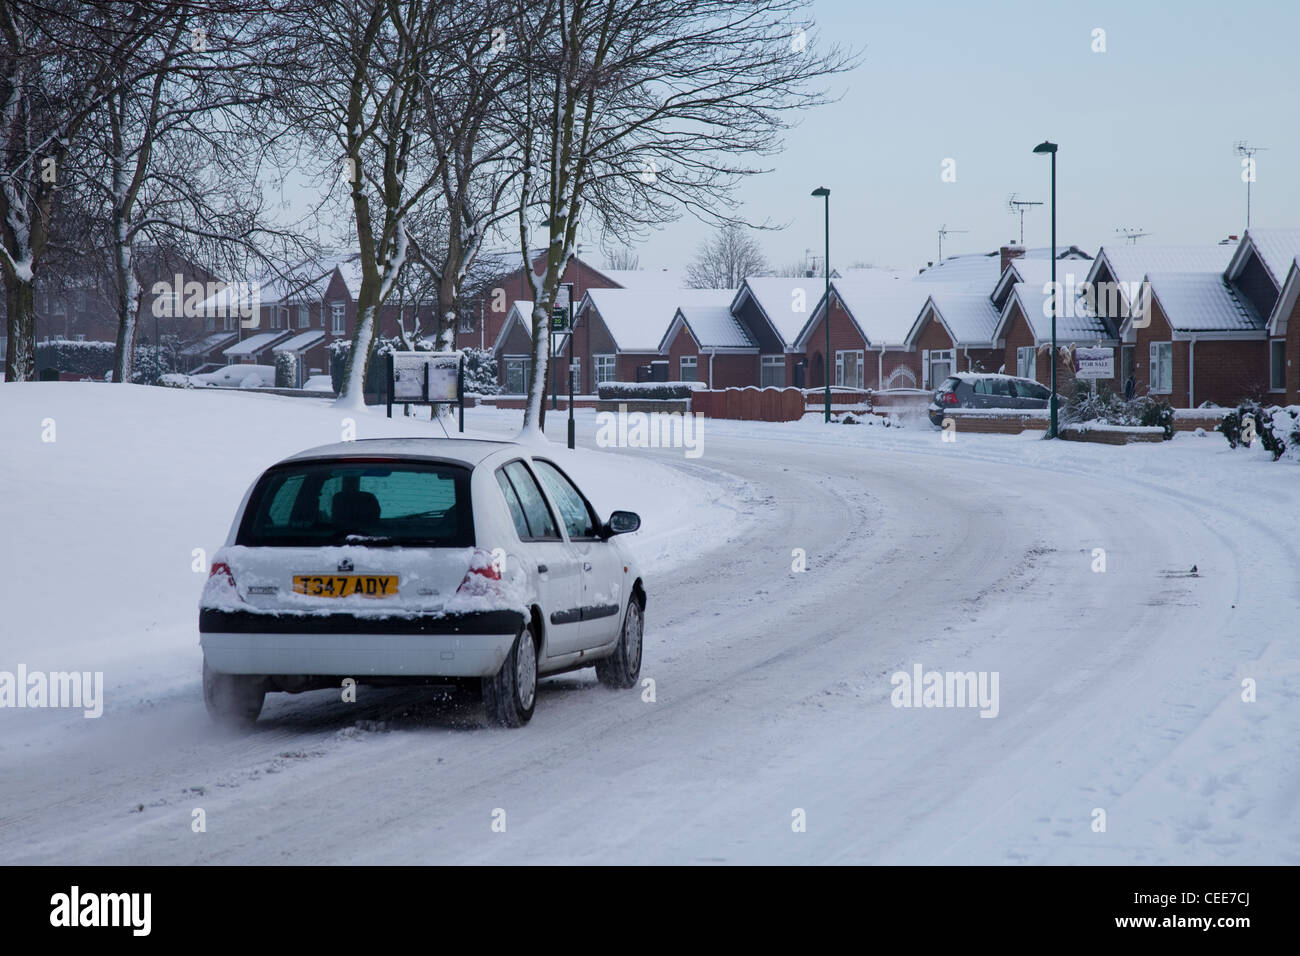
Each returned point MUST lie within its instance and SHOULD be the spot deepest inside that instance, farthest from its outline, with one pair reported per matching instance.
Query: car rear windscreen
(397, 504)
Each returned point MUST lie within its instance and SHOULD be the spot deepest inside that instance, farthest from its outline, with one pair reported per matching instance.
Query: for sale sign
(1094, 363)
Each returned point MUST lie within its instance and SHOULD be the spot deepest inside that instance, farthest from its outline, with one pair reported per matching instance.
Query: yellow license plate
(346, 585)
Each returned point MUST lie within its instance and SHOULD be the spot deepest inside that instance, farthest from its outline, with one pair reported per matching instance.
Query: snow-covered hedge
(95, 359)
(648, 390)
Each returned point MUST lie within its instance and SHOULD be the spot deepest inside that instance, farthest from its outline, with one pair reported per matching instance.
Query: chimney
(1008, 253)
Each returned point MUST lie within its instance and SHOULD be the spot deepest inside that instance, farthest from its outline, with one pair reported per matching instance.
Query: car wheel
(509, 696)
(233, 700)
(622, 668)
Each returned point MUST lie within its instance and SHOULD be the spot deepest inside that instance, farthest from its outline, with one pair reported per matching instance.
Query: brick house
(871, 312)
(512, 285)
(954, 332)
(774, 311)
(1119, 270)
(707, 343)
(1258, 272)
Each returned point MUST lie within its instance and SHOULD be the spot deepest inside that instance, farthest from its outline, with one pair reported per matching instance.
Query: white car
(394, 561)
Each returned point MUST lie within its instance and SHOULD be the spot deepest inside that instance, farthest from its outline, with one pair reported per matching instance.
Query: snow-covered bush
(481, 372)
(1276, 428)
(286, 370)
(647, 390)
(175, 380)
(1106, 407)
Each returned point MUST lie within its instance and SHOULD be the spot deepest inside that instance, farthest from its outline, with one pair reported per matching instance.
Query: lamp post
(1050, 148)
(825, 194)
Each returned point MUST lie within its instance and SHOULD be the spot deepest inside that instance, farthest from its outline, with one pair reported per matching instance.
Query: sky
(1146, 130)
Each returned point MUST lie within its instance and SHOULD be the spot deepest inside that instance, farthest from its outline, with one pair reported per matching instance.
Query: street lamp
(1050, 148)
(825, 194)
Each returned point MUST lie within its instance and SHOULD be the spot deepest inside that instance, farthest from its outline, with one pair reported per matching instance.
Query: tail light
(947, 398)
(482, 575)
(221, 569)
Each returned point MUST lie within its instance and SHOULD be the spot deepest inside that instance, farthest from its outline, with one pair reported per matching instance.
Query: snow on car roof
(469, 451)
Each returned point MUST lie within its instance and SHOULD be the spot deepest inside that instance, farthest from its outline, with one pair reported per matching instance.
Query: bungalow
(707, 343)
(512, 285)
(955, 331)
(774, 310)
(1024, 326)
(1119, 270)
(871, 312)
(1259, 271)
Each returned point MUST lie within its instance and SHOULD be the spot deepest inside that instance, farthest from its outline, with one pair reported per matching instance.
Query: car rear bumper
(463, 645)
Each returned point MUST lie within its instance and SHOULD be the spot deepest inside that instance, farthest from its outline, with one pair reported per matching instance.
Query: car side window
(537, 512)
(983, 387)
(578, 518)
(1004, 388)
(512, 502)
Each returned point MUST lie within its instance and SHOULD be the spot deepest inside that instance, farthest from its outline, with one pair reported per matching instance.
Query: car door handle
(586, 565)
(542, 569)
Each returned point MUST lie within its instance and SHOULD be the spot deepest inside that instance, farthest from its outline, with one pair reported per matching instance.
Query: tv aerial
(945, 231)
(1017, 207)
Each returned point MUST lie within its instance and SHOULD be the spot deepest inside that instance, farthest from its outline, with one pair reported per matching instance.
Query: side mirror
(622, 522)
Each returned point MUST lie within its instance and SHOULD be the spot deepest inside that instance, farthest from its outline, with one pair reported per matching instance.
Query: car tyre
(510, 696)
(233, 700)
(622, 668)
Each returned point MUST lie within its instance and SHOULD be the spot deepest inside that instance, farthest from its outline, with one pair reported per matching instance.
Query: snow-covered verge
(113, 498)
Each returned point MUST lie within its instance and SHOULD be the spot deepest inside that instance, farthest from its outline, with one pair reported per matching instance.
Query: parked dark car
(986, 390)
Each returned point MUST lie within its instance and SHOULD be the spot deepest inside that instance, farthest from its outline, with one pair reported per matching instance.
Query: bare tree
(359, 108)
(623, 258)
(171, 160)
(634, 110)
(59, 61)
(724, 260)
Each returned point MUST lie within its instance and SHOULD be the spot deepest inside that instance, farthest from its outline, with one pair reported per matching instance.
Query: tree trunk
(357, 366)
(20, 302)
(128, 309)
(535, 413)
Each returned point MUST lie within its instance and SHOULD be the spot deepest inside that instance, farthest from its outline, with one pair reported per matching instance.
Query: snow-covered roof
(882, 304)
(637, 320)
(712, 327)
(1202, 302)
(1073, 322)
(208, 343)
(1130, 263)
(303, 340)
(977, 272)
(253, 344)
(969, 317)
(786, 301)
(1277, 249)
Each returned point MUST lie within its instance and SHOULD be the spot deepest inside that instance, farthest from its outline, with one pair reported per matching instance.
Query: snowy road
(1118, 691)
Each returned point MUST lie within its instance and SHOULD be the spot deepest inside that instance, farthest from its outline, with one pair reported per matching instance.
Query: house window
(210, 323)
(604, 366)
(690, 364)
(772, 371)
(81, 302)
(849, 369)
(1162, 367)
(938, 364)
(575, 374)
(517, 367)
(336, 316)
(1277, 365)
(1026, 364)
(304, 317)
